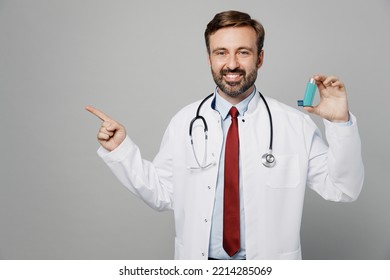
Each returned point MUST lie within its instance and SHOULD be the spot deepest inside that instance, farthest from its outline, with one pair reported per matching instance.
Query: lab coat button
(205, 220)
(209, 187)
(202, 254)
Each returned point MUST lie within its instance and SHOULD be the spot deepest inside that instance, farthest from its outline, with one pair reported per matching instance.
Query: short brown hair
(234, 19)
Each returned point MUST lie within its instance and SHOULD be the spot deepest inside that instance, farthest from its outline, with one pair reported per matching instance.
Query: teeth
(232, 77)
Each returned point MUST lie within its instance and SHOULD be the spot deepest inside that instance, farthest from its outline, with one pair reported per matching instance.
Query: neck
(234, 100)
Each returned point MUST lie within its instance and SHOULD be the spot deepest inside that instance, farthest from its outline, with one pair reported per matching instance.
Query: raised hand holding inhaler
(333, 105)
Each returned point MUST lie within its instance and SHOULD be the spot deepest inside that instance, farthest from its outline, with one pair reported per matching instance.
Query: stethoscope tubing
(271, 127)
(198, 116)
(268, 159)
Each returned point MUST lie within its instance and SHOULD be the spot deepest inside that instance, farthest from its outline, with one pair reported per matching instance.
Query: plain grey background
(140, 62)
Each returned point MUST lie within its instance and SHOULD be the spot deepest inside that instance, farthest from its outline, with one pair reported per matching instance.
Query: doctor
(226, 203)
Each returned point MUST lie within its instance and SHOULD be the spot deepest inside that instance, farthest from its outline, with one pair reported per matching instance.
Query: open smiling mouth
(233, 77)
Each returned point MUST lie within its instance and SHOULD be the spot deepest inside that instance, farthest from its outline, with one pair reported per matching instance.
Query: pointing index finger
(97, 113)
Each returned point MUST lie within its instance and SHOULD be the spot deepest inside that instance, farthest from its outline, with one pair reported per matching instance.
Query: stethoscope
(268, 159)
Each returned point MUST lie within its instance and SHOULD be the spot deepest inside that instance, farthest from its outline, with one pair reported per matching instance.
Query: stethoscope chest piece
(268, 160)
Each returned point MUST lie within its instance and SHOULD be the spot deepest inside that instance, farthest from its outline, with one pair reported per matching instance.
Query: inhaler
(309, 94)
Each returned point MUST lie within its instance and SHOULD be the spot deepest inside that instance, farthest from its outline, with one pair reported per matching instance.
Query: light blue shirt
(216, 235)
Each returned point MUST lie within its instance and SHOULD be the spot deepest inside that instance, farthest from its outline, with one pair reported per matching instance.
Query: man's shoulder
(287, 114)
(189, 110)
(185, 114)
(283, 108)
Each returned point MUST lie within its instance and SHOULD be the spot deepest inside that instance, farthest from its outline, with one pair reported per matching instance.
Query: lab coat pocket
(285, 173)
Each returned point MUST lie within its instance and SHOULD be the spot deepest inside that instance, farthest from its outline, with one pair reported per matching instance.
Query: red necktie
(231, 203)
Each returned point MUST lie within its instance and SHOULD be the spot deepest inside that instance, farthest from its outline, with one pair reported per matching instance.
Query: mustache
(232, 71)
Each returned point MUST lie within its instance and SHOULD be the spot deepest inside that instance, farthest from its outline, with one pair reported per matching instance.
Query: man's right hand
(111, 134)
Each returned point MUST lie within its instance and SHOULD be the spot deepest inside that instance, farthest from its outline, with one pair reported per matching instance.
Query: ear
(208, 59)
(260, 59)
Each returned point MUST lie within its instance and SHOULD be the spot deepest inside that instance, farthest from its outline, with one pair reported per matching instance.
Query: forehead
(233, 37)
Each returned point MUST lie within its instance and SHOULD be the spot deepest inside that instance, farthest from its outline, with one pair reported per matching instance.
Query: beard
(234, 89)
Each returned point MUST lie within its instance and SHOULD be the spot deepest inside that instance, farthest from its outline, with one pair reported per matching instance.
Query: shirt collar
(223, 106)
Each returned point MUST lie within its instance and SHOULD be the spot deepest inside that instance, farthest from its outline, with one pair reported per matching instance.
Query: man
(226, 203)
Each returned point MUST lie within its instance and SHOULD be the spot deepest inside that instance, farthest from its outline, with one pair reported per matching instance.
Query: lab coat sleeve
(336, 171)
(147, 180)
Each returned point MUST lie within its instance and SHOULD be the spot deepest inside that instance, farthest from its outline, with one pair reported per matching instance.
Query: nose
(232, 62)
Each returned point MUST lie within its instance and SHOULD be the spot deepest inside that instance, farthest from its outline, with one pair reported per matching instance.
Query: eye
(243, 53)
(221, 52)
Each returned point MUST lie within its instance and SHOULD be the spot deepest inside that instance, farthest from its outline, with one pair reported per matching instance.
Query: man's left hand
(333, 104)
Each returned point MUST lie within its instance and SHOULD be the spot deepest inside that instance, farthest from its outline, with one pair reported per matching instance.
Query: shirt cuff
(348, 123)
